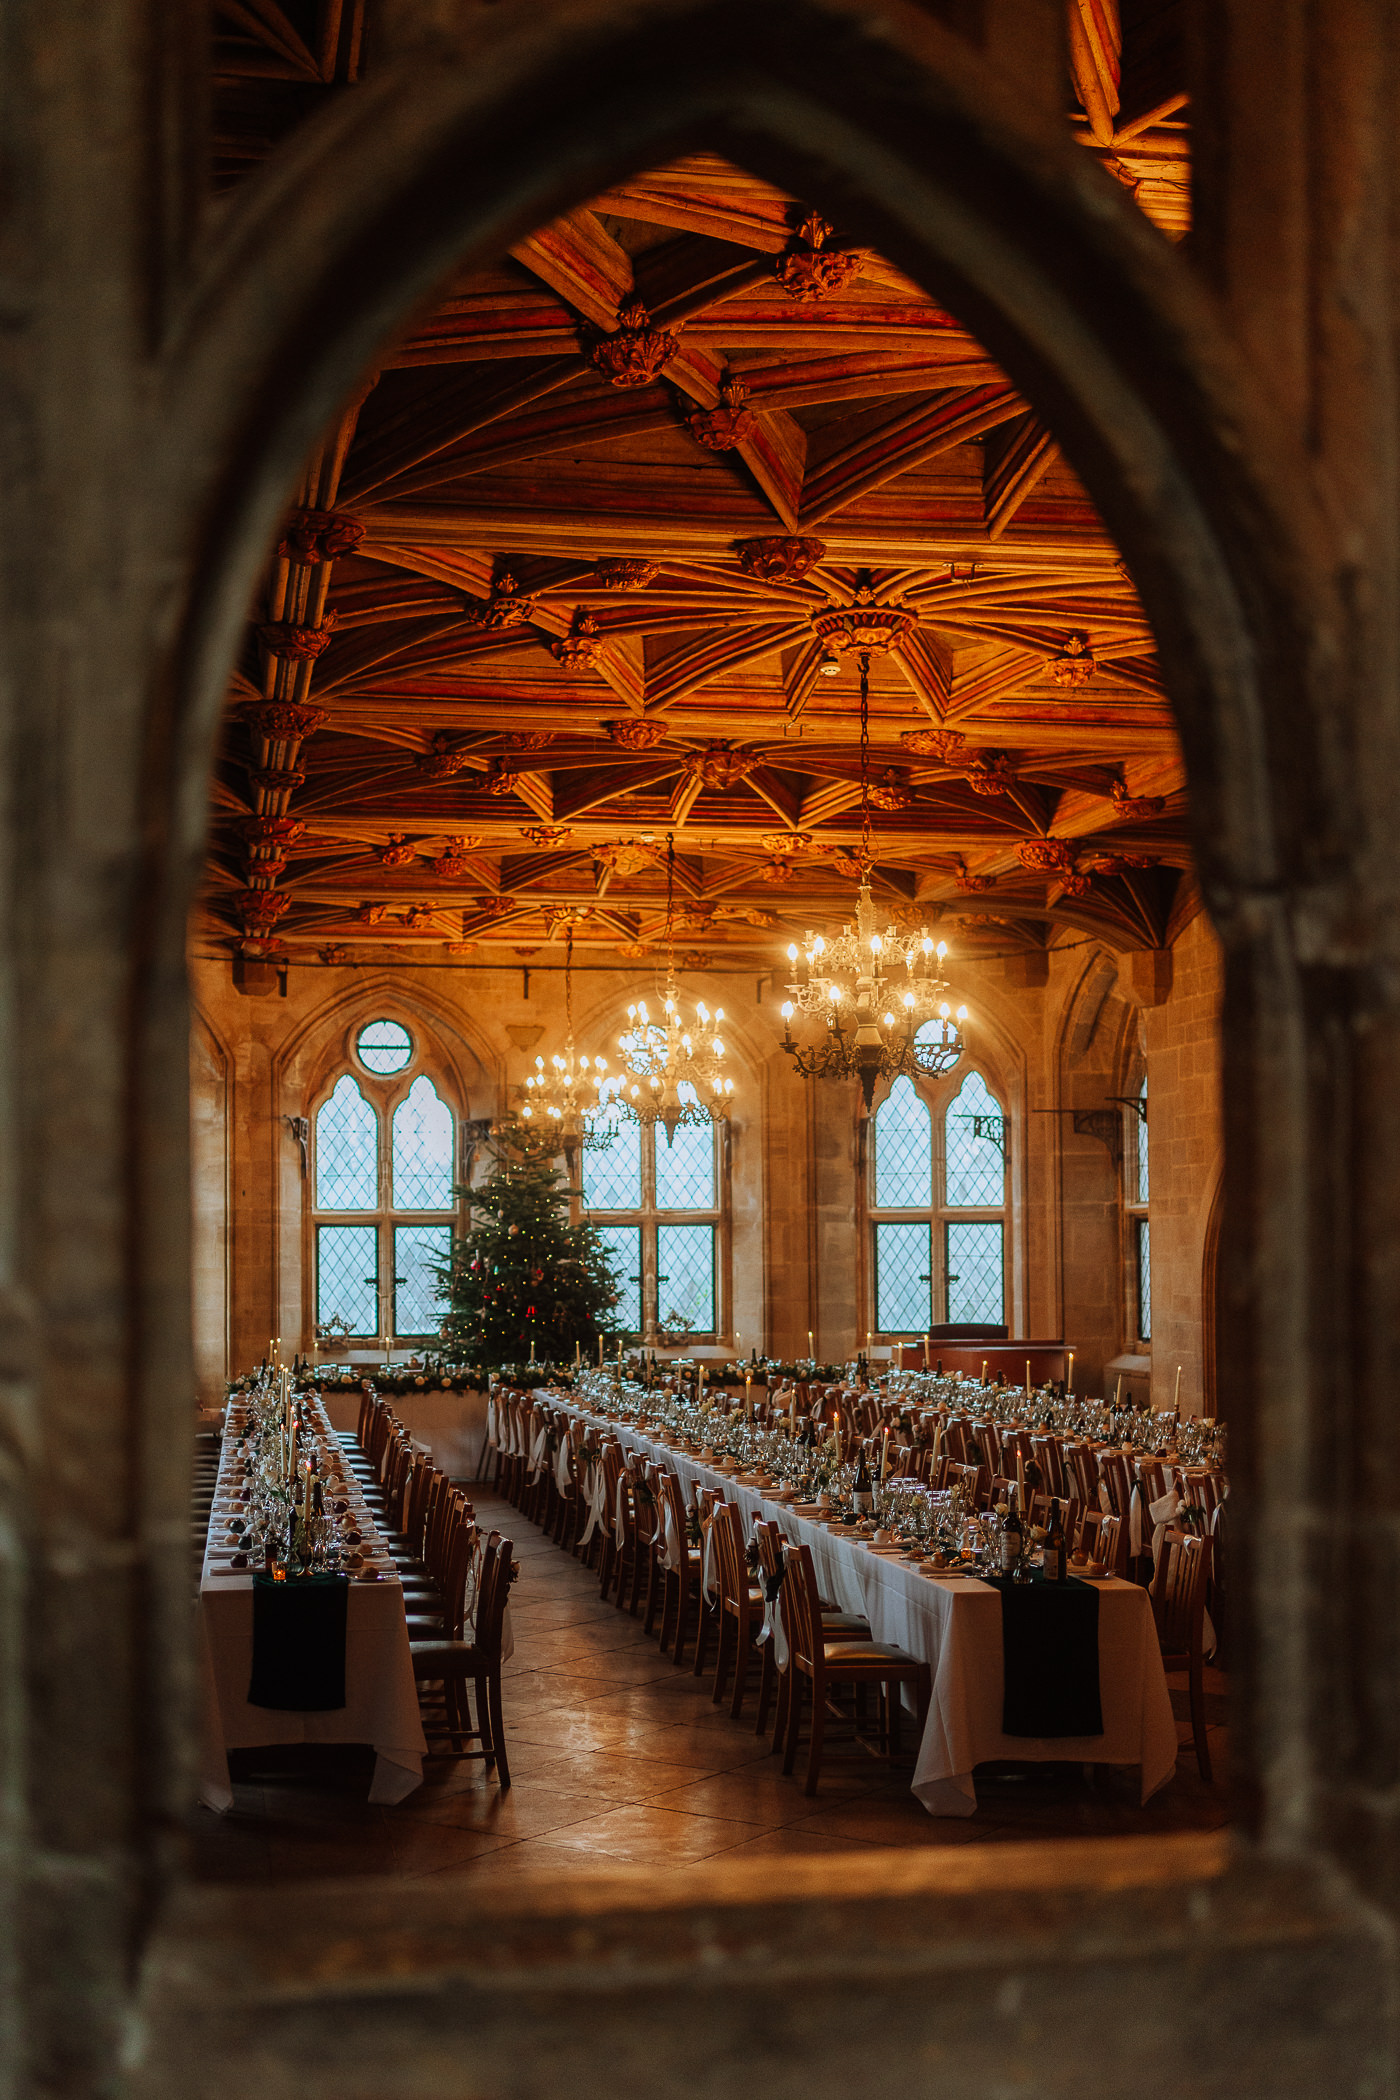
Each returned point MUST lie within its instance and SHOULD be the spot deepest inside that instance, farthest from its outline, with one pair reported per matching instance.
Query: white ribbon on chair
(492, 1440)
(672, 1555)
(707, 1579)
(538, 1448)
(561, 1468)
(1135, 1523)
(620, 1510)
(596, 1493)
(1161, 1512)
(1105, 1499)
(773, 1629)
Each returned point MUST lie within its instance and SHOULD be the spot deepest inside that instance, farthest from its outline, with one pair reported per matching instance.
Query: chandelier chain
(866, 844)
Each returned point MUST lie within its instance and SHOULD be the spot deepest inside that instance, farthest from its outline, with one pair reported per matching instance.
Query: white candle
(925, 1352)
(1176, 1402)
(1118, 1391)
(811, 1352)
(1028, 1378)
(885, 1455)
(578, 1356)
(1069, 1381)
(984, 1370)
(600, 1352)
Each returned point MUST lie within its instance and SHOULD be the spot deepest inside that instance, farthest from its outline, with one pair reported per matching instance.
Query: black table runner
(1050, 1647)
(299, 1643)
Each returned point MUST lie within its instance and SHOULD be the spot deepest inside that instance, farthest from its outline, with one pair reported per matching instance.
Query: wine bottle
(863, 1493)
(1012, 1539)
(1055, 1548)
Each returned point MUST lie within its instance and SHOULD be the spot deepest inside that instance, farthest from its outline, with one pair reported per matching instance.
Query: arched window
(659, 1209)
(375, 1271)
(938, 1205)
(1135, 1192)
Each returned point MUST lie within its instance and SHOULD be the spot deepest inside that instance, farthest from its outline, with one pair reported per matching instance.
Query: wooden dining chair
(1082, 1473)
(740, 1609)
(1179, 1605)
(1048, 1453)
(707, 1501)
(1113, 1545)
(677, 1566)
(473, 1654)
(821, 1664)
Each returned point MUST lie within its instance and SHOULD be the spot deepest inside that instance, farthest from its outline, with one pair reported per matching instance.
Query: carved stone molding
(442, 761)
(581, 647)
(276, 780)
(720, 767)
(626, 575)
(505, 608)
(634, 353)
(282, 721)
(397, 853)
(808, 270)
(990, 774)
(315, 536)
(1075, 664)
(1046, 856)
(297, 645)
(259, 910)
(780, 558)
(452, 863)
(1135, 809)
(545, 834)
(634, 733)
(948, 746)
(731, 424)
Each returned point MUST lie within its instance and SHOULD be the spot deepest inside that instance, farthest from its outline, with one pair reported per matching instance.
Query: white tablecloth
(381, 1698)
(955, 1626)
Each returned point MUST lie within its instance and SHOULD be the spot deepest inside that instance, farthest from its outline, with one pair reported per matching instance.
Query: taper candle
(1028, 1378)
(1069, 1380)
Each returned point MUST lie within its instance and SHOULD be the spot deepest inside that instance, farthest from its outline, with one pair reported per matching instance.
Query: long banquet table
(381, 1698)
(954, 1624)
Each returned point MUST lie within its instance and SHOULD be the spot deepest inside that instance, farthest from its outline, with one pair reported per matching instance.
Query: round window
(384, 1047)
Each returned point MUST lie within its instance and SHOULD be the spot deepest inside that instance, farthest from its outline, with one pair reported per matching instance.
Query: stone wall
(797, 1258)
(1185, 1161)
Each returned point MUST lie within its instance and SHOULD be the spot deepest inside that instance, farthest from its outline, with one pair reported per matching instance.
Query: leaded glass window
(612, 1180)
(941, 1168)
(659, 1209)
(903, 1275)
(685, 1169)
(973, 1269)
(903, 1150)
(1138, 1239)
(685, 1278)
(1143, 1233)
(624, 1245)
(384, 1047)
(377, 1279)
(422, 1149)
(347, 1278)
(347, 1150)
(1140, 1143)
(420, 1251)
(974, 1145)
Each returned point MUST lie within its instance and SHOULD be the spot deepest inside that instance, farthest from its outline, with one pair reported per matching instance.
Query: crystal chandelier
(881, 997)
(563, 1097)
(672, 1075)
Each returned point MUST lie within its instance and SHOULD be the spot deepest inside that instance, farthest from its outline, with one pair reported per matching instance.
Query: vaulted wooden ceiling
(554, 589)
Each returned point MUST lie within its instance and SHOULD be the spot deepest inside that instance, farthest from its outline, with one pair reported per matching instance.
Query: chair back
(989, 1445)
(1113, 1545)
(1179, 1591)
(802, 1609)
(729, 1554)
(1117, 1476)
(493, 1595)
(1048, 1454)
(1082, 1473)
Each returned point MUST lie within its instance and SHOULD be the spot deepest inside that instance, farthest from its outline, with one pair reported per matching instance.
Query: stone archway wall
(161, 389)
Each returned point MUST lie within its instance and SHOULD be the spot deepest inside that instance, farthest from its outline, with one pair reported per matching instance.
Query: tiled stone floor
(616, 1755)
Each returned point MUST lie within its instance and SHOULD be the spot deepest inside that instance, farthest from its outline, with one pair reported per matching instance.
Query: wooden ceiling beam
(448, 420)
(1016, 459)
(578, 258)
(908, 439)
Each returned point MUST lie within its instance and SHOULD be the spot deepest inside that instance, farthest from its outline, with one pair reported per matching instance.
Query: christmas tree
(524, 1275)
